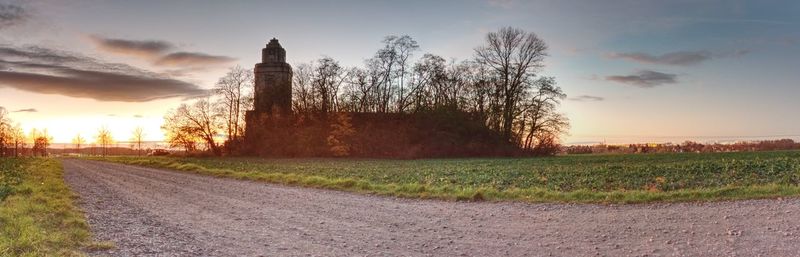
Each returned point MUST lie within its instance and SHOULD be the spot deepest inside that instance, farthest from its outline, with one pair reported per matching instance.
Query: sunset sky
(634, 71)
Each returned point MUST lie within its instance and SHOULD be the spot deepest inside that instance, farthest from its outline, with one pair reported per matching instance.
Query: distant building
(273, 89)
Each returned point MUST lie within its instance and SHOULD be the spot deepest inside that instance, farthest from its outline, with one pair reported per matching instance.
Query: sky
(634, 71)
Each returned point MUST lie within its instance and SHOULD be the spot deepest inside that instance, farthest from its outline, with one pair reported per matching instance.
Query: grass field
(589, 178)
(38, 217)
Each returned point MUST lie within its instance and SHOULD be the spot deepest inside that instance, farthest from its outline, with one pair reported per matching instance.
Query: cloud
(47, 71)
(11, 15)
(139, 48)
(27, 110)
(588, 98)
(679, 58)
(187, 59)
(645, 79)
(682, 58)
(99, 85)
(159, 53)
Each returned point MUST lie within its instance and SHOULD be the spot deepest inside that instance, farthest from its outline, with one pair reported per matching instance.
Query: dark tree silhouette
(514, 56)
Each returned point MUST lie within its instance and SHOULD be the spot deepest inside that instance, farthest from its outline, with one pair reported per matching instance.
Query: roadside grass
(39, 218)
(10, 176)
(579, 179)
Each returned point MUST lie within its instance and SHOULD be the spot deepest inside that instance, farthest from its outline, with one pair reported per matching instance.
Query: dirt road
(155, 212)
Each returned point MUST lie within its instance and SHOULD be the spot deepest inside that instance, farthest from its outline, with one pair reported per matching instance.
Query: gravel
(153, 212)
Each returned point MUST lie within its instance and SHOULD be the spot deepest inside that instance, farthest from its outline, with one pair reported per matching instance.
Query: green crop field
(578, 178)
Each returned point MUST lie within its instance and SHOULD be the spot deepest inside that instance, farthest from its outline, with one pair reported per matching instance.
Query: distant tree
(302, 90)
(403, 48)
(359, 91)
(514, 56)
(18, 139)
(5, 132)
(192, 123)
(327, 79)
(389, 65)
(41, 141)
(234, 92)
(104, 139)
(427, 88)
(136, 138)
(77, 141)
(479, 91)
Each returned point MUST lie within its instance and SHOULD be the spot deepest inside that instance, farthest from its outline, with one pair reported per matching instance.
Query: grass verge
(591, 179)
(39, 218)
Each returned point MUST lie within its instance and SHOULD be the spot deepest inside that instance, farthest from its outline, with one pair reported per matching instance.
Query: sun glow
(64, 129)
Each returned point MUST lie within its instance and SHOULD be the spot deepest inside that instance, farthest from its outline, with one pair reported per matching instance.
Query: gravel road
(153, 212)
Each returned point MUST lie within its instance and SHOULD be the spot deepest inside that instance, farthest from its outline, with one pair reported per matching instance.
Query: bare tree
(18, 139)
(541, 124)
(383, 65)
(427, 88)
(194, 122)
(302, 90)
(328, 78)
(77, 141)
(104, 139)
(359, 90)
(404, 47)
(479, 90)
(137, 138)
(514, 56)
(234, 90)
(5, 132)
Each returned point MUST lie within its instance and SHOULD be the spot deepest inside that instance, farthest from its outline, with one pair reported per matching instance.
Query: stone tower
(273, 89)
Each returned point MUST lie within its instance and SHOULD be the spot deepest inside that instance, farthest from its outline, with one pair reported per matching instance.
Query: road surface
(153, 212)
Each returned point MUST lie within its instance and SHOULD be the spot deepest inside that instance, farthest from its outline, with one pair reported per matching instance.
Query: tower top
(273, 43)
(273, 53)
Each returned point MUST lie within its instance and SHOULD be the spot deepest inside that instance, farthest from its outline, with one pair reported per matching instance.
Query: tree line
(686, 147)
(14, 142)
(501, 85)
